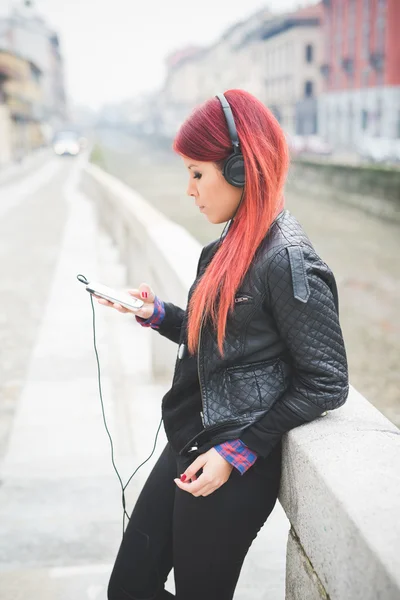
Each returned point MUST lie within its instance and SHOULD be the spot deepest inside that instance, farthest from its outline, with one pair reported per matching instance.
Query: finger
(182, 486)
(120, 308)
(187, 487)
(206, 490)
(146, 293)
(134, 292)
(195, 466)
(103, 301)
(194, 487)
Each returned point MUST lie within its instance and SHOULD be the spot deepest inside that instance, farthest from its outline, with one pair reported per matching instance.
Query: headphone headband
(233, 169)
(230, 122)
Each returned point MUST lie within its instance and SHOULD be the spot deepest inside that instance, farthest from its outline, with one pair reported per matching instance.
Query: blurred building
(275, 57)
(5, 120)
(287, 53)
(21, 107)
(178, 56)
(25, 34)
(195, 74)
(360, 102)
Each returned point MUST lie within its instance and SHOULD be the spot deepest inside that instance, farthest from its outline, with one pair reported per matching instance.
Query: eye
(197, 176)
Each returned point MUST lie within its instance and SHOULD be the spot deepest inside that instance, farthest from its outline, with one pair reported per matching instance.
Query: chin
(216, 220)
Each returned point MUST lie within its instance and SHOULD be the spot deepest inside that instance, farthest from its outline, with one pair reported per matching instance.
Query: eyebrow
(192, 166)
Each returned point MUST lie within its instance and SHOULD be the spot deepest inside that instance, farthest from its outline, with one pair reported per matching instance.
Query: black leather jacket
(285, 362)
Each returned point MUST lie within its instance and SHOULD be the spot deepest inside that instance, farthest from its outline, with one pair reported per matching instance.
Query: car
(66, 143)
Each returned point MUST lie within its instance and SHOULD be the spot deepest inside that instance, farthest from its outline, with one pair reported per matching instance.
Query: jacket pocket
(243, 299)
(253, 388)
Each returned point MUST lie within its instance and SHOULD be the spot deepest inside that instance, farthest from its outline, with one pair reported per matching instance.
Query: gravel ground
(361, 249)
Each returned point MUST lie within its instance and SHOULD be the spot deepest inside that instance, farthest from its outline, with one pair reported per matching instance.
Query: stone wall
(374, 189)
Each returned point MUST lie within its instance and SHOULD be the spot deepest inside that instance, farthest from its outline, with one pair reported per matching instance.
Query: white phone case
(122, 298)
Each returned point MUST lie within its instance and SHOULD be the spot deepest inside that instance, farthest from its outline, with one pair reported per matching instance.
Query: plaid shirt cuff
(156, 318)
(237, 454)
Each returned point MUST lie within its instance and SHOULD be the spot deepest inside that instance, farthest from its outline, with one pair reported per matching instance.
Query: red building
(361, 71)
(362, 43)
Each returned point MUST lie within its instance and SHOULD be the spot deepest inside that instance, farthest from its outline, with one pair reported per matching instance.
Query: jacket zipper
(198, 371)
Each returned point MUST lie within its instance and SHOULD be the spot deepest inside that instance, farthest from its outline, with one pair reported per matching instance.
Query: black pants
(205, 538)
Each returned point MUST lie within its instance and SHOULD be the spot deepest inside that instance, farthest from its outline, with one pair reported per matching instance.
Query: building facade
(21, 107)
(197, 74)
(275, 57)
(288, 51)
(25, 34)
(360, 102)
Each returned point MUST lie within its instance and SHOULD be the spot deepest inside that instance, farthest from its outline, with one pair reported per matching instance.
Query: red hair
(204, 136)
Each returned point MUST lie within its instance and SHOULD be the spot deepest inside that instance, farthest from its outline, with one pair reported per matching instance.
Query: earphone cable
(123, 487)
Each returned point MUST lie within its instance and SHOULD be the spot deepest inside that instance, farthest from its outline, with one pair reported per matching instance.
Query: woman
(260, 352)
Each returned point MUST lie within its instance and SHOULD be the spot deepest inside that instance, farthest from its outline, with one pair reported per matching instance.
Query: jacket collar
(231, 221)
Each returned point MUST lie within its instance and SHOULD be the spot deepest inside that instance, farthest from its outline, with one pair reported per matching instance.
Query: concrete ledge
(341, 493)
(301, 579)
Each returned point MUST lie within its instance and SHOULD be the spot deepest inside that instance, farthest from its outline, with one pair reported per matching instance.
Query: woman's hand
(143, 292)
(216, 471)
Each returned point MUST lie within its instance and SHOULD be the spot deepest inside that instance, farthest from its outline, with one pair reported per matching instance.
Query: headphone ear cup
(234, 170)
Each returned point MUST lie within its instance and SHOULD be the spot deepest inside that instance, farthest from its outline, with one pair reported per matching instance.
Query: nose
(191, 189)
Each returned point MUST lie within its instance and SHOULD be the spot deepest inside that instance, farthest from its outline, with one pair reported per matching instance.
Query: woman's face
(214, 196)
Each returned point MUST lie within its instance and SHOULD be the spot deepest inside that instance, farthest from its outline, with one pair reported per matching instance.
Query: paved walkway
(60, 510)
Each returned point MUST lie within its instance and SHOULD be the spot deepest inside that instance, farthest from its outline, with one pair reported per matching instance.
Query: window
(352, 28)
(309, 53)
(365, 77)
(350, 121)
(366, 29)
(364, 119)
(378, 117)
(308, 89)
(338, 29)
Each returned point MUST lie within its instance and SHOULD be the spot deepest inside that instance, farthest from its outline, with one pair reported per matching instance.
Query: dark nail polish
(183, 477)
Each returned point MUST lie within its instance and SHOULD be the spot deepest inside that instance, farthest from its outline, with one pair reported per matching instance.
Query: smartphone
(122, 298)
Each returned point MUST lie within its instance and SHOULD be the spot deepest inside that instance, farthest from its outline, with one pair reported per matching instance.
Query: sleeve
(156, 318)
(303, 302)
(167, 322)
(237, 454)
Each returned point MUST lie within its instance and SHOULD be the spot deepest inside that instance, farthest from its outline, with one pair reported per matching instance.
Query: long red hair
(204, 136)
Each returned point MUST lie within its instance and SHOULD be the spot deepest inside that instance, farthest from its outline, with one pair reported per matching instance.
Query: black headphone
(233, 169)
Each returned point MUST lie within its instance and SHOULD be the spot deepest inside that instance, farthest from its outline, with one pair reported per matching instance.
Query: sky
(115, 49)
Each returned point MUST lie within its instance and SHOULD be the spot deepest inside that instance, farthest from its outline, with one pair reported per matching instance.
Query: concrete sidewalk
(30, 163)
(60, 506)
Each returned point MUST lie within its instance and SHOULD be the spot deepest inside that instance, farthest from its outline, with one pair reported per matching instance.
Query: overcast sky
(114, 49)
